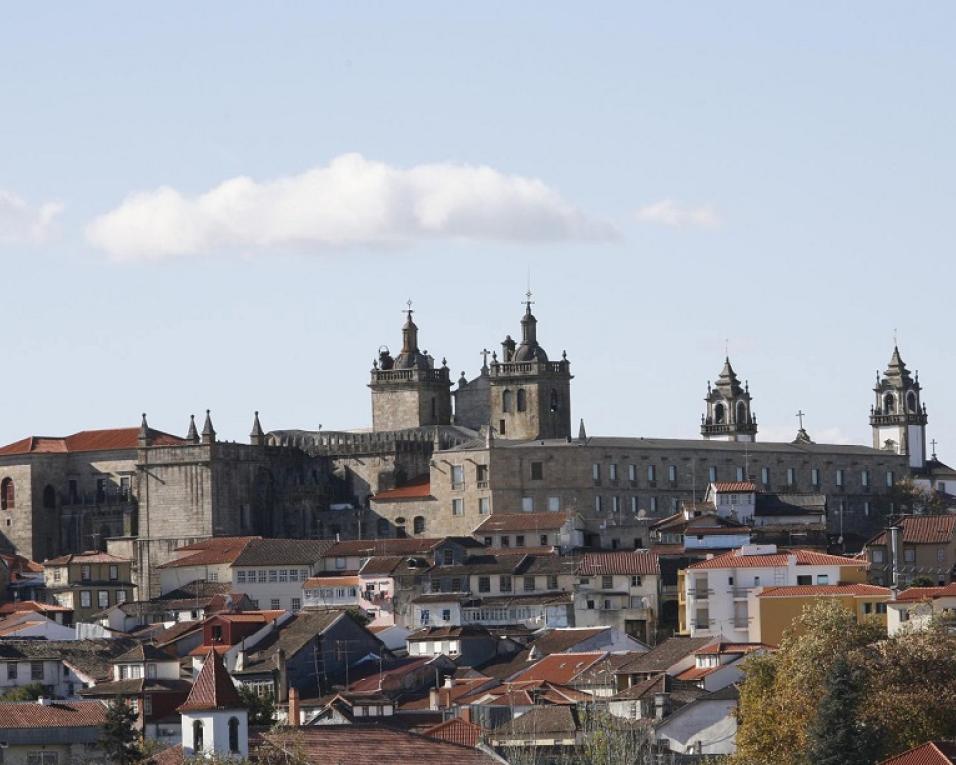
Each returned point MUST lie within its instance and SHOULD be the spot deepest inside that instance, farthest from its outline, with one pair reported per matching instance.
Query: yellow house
(774, 609)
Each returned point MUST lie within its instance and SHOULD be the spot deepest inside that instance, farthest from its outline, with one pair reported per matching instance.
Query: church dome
(530, 353)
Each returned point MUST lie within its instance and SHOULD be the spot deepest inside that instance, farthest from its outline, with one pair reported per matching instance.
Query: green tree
(837, 736)
(120, 740)
(261, 709)
(908, 498)
(29, 692)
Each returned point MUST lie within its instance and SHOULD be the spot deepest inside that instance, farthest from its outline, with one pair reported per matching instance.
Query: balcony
(410, 375)
(482, 484)
(741, 593)
(700, 593)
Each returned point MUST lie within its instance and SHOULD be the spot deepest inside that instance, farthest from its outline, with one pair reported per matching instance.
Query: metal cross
(528, 301)
(800, 415)
(484, 357)
(408, 310)
(933, 444)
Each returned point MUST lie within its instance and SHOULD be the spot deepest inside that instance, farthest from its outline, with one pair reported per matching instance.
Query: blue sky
(672, 175)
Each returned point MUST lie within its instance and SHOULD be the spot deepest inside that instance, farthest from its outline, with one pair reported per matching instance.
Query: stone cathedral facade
(439, 458)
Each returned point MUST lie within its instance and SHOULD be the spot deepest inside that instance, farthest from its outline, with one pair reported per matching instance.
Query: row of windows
(105, 490)
(36, 670)
(713, 474)
(458, 506)
(334, 592)
(102, 598)
(458, 476)
(504, 540)
(271, 576)
(909, 554)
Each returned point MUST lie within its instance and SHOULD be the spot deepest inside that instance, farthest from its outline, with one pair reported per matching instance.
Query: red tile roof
(329, 581)
(32, 605)
(923, 530)
(504, 522)
(720, 647)
(455, 731)
(928, 593)
(420, 488)
(213, 688)
(734, 559)
(633, 562)
(59, 714)
(729, 487)
(91, 556)
(822, 590)
(210, 552)
(89, 441)
(930, 753)
(372, 547)
(559, 668)
(375, 743)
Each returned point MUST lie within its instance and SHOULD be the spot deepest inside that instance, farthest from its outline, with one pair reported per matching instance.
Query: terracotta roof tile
(329, 581)
(455, 731)
(504, 522)
(210, 552)
(92, 556)
(928, 593)
(729, 487)
(822, 590)
(734, 559)
(930, 753)
(560, 668)
(634, 562)
(213, 688)
(59, 714)
(89, 441)
(923, 529)
(32, 605)
(373, 547)
(417, 489)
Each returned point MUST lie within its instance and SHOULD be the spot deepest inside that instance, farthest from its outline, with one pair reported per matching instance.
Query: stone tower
(898, 417)
(530, 396)
(729, 416)
(407, 391)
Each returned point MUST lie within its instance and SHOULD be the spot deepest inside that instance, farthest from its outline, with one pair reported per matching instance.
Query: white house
(916, 607)
(706, 726)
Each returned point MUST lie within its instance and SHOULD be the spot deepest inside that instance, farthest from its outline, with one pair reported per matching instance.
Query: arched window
(418, 525)
(741, 413)
(911, 402)
(506, 401)
(197, 735)
(555, 401)
(234, 733)
(719, 414)
(7, 494)
(49, 498)
(382, 527)
(522, 400)
(888, 402)
(400, 528)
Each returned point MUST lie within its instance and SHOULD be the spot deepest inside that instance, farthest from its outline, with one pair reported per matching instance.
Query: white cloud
(22, 224)
(352, 201)
(667, 212)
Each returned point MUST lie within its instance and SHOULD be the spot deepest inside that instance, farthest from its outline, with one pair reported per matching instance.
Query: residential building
(619, 589)
(718, 664)
(32, 624)
(925, 549)
(88, 582)
(715, 591)
(467, 646)
(531, 529)
(917, 607)
(773, 610)
(272, 571)
(208, 560)
(372, 594)
(705, 726)
(63, 667)
(47, 732)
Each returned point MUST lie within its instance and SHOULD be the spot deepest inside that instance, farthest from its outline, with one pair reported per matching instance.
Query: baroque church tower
(729, 416)
(898, 417)
(407, 391)
(530, 395)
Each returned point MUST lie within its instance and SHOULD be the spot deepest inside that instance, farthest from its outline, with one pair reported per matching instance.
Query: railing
(712, 429)
(481, 484)
(408, 375)
(700, 593)
(741, 624)
(908, 418)
(741, 592)
(507, 368)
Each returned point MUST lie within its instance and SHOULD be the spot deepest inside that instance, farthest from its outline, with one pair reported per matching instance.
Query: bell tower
(729, 416)
(530, 395)
(898, 416)
(407, 391)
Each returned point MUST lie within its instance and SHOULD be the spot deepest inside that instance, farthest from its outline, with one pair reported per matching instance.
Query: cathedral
(439, 459)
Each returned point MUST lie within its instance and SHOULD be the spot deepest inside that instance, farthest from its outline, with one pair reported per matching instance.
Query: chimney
(662, 705)
(240, 661)
(44, 701)
(465, 714)
(282, 678)
(894, 550)
(433, 699)
(294, 719)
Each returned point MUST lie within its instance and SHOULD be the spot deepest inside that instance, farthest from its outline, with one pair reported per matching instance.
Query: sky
(227, 205)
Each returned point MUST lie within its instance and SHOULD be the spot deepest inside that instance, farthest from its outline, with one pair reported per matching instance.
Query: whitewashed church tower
(214, 719)
(729, 416)
(898, 417)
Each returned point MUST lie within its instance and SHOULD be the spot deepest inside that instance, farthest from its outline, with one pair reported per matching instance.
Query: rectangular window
(765, 476)
(537, 471)
(599, 504)
(86, 599)
(505, 540)
(791, 476)
(804, 579)
(889, 479)
(612, 471)
(815, 476)
(481, 475)
(85, 573)
(634, 505)
(124, 488)
(458, 506)
(527, 504)
(823, 579)
(296, 604)
(865, 479)
(489, 541)
(274, 602)
(273, 576)
(457, 476)
(552, 582)
(484, 505)
(283, 575)
(114, 573)
(909, 554)
(632, 473)
(672, 473)
(529, 584)
(293, 575)
(484, 584)
(504, 583)
(543, 540)
(596, 472)
(43, 758)
(261, 574)
(12, 670)
(607, 582)
(519, 540)
(635, 581)
(651, 473)
(554, 504)
(615, 504)
(424, 616)
(653, 504)
(866, 508)
(102, 598)
(740, 474)
(712, 474)
(839, 477)
(36, 670)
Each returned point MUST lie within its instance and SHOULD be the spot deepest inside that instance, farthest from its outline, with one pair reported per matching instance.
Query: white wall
(712, 723)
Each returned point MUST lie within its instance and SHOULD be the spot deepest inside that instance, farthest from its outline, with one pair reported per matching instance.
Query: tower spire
(192, 435)
(257, 437)
(208, 432)
(142, 438)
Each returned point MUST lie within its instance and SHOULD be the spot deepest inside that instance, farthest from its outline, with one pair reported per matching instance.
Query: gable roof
(111, 439)
(455, 731)
(90, 556)
(731, 487)
(923, 529)
(91, 657)
(819, 590)
(58, 714)
(736, 559)
(213, 688)
(560, 668)
(542, 721)
(639, 562)
(927, 593)
(504, 522)
(665, 655)
(930, 753)
(269, 552)
(209, 552)
(294, 635)
(372, 547)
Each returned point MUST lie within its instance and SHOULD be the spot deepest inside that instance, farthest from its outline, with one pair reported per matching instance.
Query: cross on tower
(484, 357)
(933, 444)
(528, 301)
(800, 415)
(408, 310)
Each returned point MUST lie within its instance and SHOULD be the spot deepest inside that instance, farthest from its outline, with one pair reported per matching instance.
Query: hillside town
(468, 580)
